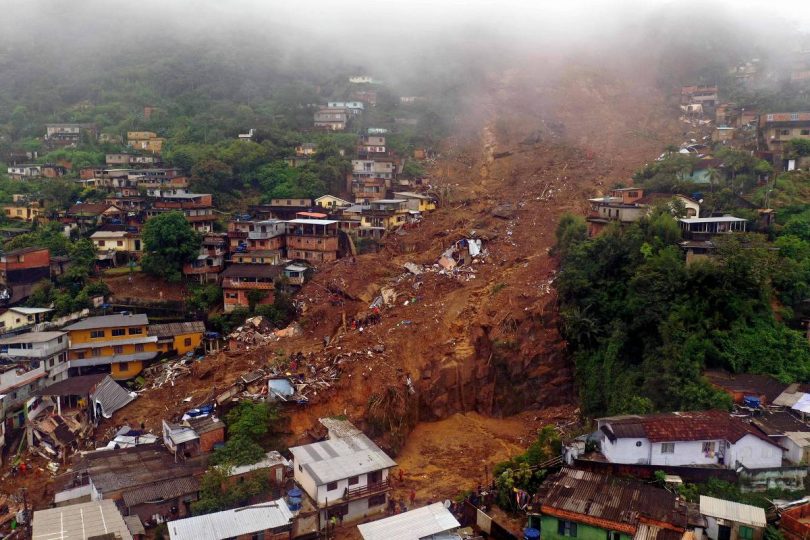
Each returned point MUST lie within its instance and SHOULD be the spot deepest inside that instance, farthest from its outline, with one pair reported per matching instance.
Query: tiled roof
(176, 329)
(163, 490)
(747, 383)
(687, 426)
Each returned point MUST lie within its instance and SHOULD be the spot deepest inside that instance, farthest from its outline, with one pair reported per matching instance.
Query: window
(354, 480)
(794, 116)
(805, 132)
(187, 342)
(96, 352)
(376, 500)
(746, 533)
(80, 356)
(135, 331)
(566, 528)
(784, 132)
(667, 448)
(331, 486)
(120, 243)
(613, 535)
(96, 334)
(118, 332)
(708, 447)
(101, 243)
(139, 347)
(257, 536)
(118, 349)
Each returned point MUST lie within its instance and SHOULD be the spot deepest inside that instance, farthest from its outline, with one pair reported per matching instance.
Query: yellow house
(331, 202)
(19, 317)
(119, 341)
(30, 213)
(145, 140)
(385, 213)
(416, 201)
(178, 338)
(109, 243)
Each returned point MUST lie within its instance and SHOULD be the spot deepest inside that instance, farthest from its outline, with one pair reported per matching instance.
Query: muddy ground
(481, 347)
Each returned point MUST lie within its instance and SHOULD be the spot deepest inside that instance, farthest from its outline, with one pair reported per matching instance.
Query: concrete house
(778, 128)
(345, 475)
(416, 202)
(46, 348)
(699, 438)
(331, 119)
(431, 521)
(727, 520)
(264, 521)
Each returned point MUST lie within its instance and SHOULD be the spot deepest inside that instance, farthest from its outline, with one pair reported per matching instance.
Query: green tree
(248, 427)
(169, 242)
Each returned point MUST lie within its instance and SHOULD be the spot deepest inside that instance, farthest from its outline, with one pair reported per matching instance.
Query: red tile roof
(691, 426)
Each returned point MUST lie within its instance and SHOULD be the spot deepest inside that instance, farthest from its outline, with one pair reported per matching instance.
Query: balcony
(367, 490)
(229, 283)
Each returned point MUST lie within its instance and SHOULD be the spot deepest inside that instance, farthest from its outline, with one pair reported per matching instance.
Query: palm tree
(714, 176)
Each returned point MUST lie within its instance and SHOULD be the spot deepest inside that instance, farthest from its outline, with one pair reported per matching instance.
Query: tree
(248, 426)
(169, 242)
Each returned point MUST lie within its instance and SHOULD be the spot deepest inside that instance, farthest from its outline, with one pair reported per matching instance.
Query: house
(331, 119)
(117, 246)
(210, 430)
(727, 520)
(18, 382)
(431, 521)
(210, 261)
(120, 342)
(794, 522)
(759, 389)
(127, 160)
(776, 129)
(698, 438)
(258, 256)
(705, 228)
(330, 202)
(723, 134)
(582, 504)
(182, 441)
(701, 171)
(95, 519)
(386, 213)
(30, 212)
(295, 274)
(144, 480)
(23, 171)
(20, 271)
(361, 79)
(94, 214)
(306, 149)
(703, 95)
(145, 140)
(370, 178)
(273, 467)
(417, 202)
(16, 319)
(247, 136)
(354, 107)
(788, 431)
(619, 205)
(345, 475)
(46, 348)
(366, 96)
(179, 337)
(371, 146)
(238, 280)
(312, 240)
(264, 521)
(691, 207)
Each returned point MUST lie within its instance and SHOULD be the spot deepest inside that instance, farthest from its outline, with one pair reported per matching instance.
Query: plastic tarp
(803, 405)
(474, 245)
(280, 388)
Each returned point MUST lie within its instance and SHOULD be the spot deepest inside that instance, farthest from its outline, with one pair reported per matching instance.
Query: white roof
(344, 457)
(803, 404)
(108, 234)
(80, 521)
(295, 268)
(722, 219)
(390, 201)
(411, 195)
(322, 197)
(312, 221)
(411, 525)
(231, 523)
(30, 310)
(271, 459)
(732, 511)
(31, 337)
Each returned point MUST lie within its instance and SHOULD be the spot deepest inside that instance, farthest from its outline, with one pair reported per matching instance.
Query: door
(723, 532)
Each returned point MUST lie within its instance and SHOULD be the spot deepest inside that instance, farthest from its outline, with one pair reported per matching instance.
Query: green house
(584, 505)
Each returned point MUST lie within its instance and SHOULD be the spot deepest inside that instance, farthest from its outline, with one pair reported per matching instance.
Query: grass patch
(121, 271)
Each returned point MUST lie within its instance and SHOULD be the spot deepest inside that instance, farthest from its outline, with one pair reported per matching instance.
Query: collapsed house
(62, 414)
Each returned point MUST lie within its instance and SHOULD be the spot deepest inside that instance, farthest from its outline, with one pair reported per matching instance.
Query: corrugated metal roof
(335, 459)
(160, 491)
(271, 459)
(232, 523)
(108, 321)
(32, 337)
(176, 329)
(609, 498)
(733, 511)
(80, 521)
(411, 525)
(134, 525)
(111, 396)
(338, 427)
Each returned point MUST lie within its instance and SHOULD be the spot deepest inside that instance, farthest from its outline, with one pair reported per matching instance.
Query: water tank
(531, 534)
(294, 498)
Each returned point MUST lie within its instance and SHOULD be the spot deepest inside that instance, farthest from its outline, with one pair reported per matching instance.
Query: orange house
(120, 341)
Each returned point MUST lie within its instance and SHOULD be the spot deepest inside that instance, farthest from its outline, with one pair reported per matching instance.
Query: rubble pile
(258, 331)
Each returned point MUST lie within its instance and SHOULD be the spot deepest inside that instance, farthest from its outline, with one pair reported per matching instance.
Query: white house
(346, 475)
(355, 106)
(727, 520)
(46, 348)
(696, 438)
(269, 521)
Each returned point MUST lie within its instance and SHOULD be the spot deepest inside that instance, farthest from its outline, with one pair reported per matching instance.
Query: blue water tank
(751, 401)
(531, 534)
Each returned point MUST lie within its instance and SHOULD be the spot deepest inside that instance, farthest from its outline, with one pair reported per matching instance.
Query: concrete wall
(627, 451)
(754, 453)
(549, 524)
